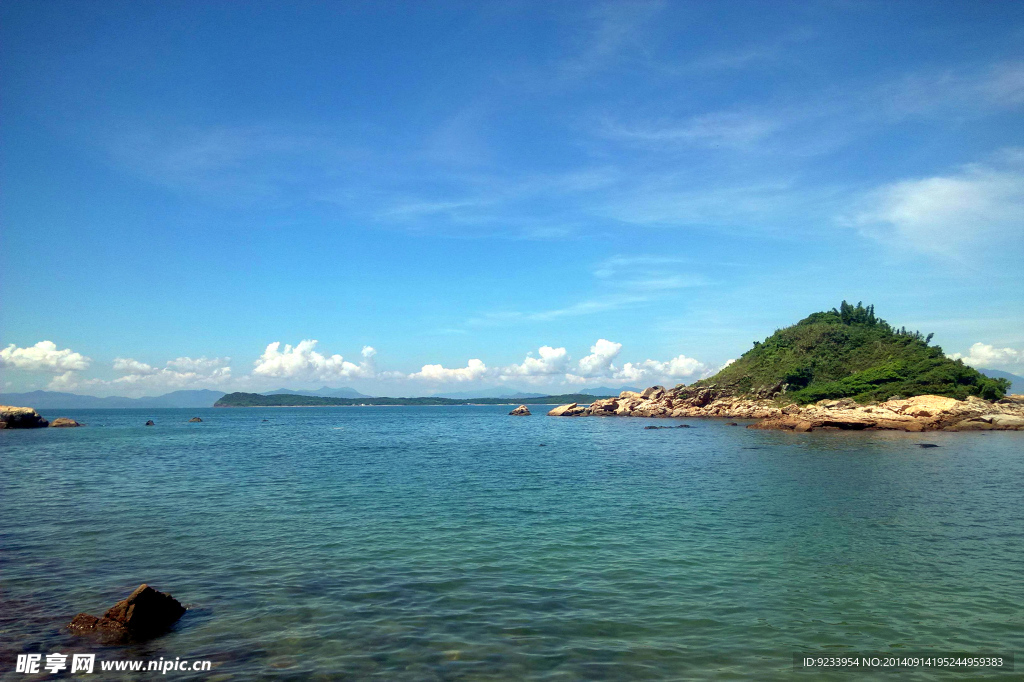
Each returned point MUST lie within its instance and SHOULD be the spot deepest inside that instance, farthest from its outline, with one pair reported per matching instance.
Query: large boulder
(604, 407)
(653, 393)
(20, 418)
(570, 410)
(63, 422)
(144, 613)
(521, 411)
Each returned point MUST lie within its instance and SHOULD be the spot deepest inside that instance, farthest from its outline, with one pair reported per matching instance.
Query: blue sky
(568, 194)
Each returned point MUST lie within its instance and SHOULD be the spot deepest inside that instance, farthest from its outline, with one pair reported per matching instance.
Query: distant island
(294, 400)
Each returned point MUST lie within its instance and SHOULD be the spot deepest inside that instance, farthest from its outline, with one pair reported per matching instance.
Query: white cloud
(948, 214)
(551, 361)
(599, 362)
(679, 367)
(130, 366)
(44, 357)
(988, 356)
(70, 381)
(473, 371)
(203, 364)
(302, 361)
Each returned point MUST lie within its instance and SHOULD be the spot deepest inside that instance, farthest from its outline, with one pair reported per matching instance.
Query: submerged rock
(63, 422)
(521, 411)
(20, 418)
(195, 419)
(144, 613)
(150, 423)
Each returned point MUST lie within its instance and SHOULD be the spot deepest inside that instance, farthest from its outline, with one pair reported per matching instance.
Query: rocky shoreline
(920, 413)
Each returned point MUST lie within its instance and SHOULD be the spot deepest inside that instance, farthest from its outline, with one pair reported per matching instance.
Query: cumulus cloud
(551, 361)
(474, 370)
(45, 357)
(946, 214)
(178, 374)
(679, 367)
(987, 355)
(599, 362)
(130, 366)
(203, 364)
(302, 361)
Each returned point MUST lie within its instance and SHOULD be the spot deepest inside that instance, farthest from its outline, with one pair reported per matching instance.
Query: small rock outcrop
(12, 417)
(63, 422)
(570, 410)
(521, 411)
(195, 419)
(150, 423)
(144, 613)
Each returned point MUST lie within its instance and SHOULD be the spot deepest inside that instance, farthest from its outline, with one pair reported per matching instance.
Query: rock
(63, 422)
(680, 426)
(150, 422)
(732, 424)
(604, 407)
(629, 394)
(21, 418)
(521, 411)
(145, 613)
(653, 393)
(195, 419)
(570, 410)
(803, 426)
(927, 445)
(1005, 421)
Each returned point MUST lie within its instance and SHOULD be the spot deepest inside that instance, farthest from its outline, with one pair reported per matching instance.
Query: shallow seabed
(445, 543)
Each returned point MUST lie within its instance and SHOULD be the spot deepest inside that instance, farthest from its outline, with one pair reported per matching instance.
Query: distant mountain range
(51, 400)
(323, 391)
(1016, 382)
(604, 390)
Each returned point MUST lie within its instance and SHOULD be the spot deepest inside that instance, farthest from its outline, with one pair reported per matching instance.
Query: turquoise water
(444, 543)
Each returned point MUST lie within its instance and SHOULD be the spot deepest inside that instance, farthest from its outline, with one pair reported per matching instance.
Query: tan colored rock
(21, 418)
(521, 411)
(63, 422)
(570, 410)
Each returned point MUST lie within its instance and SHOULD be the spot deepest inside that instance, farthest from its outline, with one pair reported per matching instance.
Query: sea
(460, 543)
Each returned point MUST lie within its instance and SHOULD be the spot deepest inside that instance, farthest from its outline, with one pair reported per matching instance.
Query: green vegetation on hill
(850, 353)
(292, 400)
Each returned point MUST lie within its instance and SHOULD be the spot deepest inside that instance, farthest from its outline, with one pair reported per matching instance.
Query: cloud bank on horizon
(652, 185)
(301, 365)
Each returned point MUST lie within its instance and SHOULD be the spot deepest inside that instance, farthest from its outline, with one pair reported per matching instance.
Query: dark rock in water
(266, 420)
(63, 422)
(145, 613)
(150, 423)
(681, 426)
(732, 424)
(542, 445)
(521, 411)
(927, 445)
(195, 419)
(20, 418)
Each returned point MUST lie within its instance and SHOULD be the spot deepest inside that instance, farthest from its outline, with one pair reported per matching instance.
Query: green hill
(850, 353)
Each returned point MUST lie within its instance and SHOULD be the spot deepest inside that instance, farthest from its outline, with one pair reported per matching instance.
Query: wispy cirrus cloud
(980, 206)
